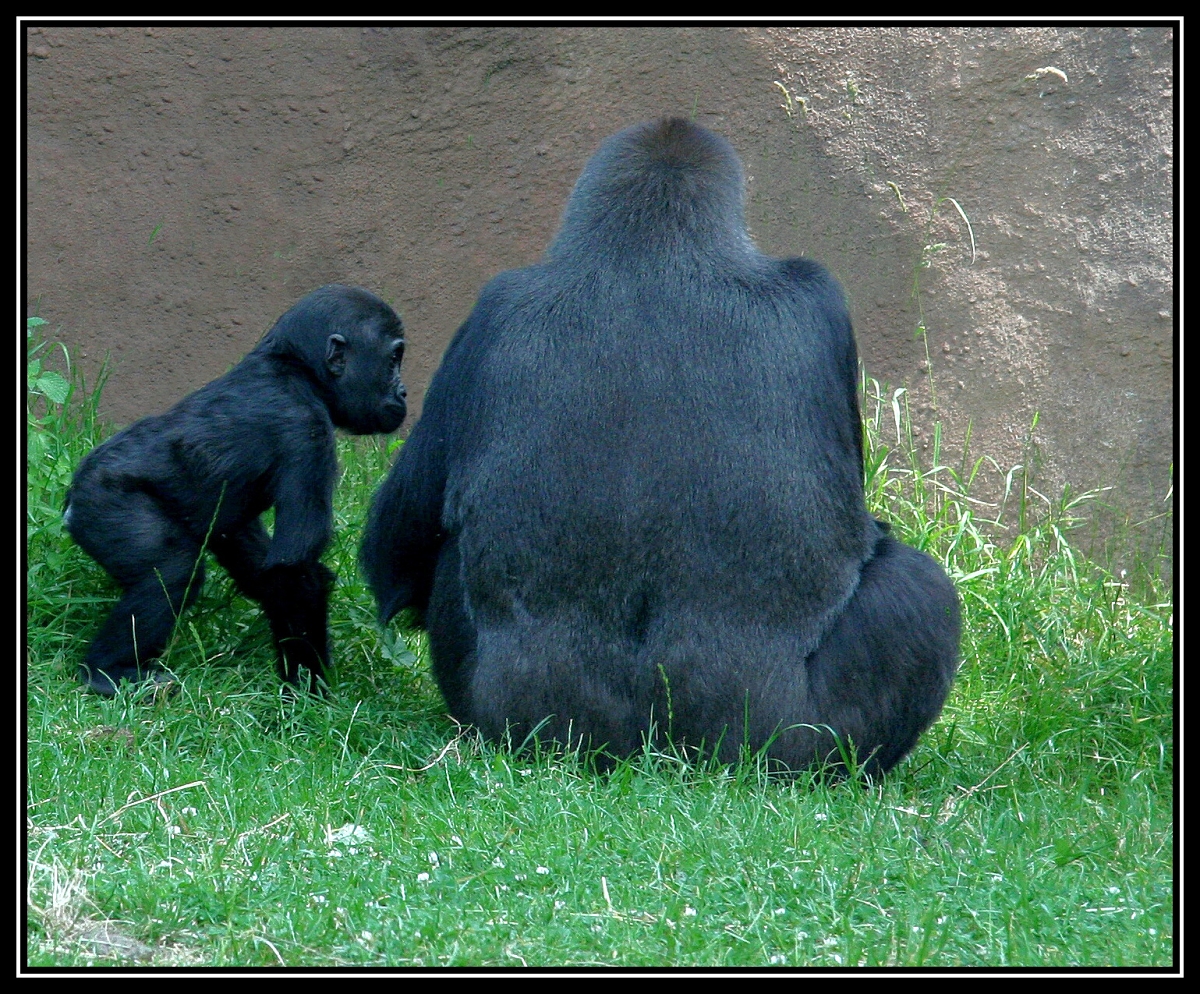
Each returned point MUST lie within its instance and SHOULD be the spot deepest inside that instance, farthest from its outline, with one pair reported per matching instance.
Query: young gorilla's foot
(106, 682)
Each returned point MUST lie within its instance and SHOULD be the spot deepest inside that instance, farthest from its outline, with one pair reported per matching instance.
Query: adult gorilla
(147, 503)
(634, 504)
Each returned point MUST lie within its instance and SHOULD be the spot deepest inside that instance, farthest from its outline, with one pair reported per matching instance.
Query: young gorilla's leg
(881, 675)
(161, 569)
(242, 554)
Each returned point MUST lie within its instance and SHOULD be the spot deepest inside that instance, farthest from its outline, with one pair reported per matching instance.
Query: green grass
(235, 824)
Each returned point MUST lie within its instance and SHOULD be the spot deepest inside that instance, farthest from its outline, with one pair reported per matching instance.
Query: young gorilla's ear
(335, 355)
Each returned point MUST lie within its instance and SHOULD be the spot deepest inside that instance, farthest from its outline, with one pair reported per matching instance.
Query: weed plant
(234, 823)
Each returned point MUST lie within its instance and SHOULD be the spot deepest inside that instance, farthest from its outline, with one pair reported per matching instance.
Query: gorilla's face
(365, 370)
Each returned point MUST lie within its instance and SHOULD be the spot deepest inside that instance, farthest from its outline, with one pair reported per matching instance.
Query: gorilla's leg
(882, 673)
(159, 566)
(521, 676)
(242, 554)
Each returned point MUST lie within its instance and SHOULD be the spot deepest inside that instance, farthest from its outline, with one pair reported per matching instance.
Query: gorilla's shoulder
(513, 294)
(814, 286)
(809, 274)
(518, 284)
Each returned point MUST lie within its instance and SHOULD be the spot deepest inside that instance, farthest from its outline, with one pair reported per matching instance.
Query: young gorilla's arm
(294, 584)
(303, 491)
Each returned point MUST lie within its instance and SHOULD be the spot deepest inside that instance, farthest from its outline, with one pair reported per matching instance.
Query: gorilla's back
(635, 493)
(648, 446)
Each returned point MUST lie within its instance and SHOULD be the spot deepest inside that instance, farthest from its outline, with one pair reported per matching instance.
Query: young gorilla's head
(352, 343)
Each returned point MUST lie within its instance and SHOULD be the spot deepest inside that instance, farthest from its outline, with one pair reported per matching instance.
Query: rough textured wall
(186, 185)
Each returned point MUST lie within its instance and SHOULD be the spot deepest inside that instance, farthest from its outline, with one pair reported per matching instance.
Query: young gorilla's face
(365, 365)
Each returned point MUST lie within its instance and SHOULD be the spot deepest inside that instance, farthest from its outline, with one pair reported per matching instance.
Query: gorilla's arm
(404, 531)
(303, 492)
(816, 288)
(403, 534)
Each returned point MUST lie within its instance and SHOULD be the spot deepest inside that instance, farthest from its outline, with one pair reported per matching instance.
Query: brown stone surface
(187, 185)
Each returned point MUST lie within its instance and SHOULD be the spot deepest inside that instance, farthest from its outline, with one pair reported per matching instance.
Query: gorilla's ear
(335, 355)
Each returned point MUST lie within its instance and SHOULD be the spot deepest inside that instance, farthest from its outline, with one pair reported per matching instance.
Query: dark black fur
(635, 493)
(147, 502)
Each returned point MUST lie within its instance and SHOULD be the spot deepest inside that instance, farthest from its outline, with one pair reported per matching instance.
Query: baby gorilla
(148, 502)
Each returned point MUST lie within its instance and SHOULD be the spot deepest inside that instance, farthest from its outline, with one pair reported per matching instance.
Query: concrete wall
(186, 185)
